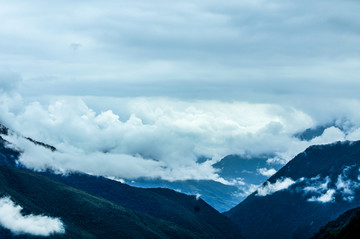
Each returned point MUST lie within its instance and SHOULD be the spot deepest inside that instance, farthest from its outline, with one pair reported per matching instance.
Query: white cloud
(137, 49)
(317, 185)
(319, 191)
(295, 146)
(120, 180)
(246, 190)
(266, 172)
(197, 196)
(328, 196)
(270, 188)
(166, 136)
(11, 218)
(322, 191)
(346, 187)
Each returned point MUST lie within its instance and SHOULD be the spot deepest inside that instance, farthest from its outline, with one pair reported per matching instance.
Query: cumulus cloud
(270, 188)
(11, 218)
(165, 135)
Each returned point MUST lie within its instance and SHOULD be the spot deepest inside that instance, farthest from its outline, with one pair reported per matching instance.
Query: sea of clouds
(155, 137)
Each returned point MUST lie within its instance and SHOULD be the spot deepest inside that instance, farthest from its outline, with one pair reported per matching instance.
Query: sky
(133, 85)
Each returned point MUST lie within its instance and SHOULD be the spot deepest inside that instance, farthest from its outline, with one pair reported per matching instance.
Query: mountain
(312, 189)
(241, 171)
(93, 206)
(312, 133)
(190, 212)
(84, 215)
(220, 196)
(346, 226)
(247, 169)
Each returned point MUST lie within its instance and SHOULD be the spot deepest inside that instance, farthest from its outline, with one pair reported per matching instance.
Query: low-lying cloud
(155, 137)
(270, 188)
(11, 218)
(327, 197)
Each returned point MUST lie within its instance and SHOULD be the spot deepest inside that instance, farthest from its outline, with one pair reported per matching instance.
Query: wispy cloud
(11, 218)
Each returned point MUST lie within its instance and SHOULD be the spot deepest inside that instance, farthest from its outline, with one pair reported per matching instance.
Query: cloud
(9, 81)
(346, 186)
(165, 135)
(321, 190)
(246, 190)
(330, 135)
(270, 188)
(11, 218)
(316, 185)
(202, 49)
(266, 172)
(318, 189)
(328, 196)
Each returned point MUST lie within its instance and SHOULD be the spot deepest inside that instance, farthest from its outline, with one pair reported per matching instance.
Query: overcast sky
(237, 50)
(207, 77)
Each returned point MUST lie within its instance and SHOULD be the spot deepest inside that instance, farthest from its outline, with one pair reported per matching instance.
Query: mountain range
(312, 189)
(97, 207)
(315, 195)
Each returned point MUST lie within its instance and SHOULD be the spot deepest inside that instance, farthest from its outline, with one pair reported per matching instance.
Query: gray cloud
(9, 81)
(258, 51)
(11, 218)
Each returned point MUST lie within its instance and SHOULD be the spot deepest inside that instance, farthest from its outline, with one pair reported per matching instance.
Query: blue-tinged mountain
(233, 168)
(116, 209)
(312, 133)
(312, 189)
(246, 168)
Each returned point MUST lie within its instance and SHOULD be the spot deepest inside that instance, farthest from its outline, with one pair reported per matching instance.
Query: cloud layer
(11, 218)
(155, 137)
(261, 50)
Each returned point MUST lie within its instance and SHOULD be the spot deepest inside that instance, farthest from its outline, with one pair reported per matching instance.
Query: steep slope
(84, 215)
(220, 196)
(187, 215)
(312, 189)
(193, 214)
(346, 226)
(242, 171)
